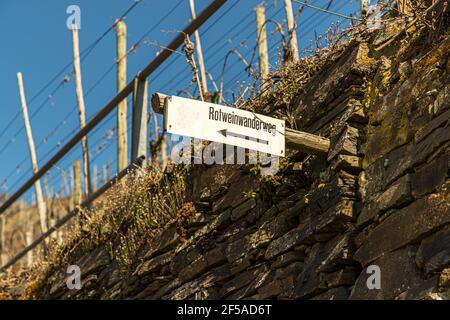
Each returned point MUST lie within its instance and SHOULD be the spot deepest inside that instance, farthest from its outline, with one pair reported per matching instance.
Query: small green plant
(268, 186)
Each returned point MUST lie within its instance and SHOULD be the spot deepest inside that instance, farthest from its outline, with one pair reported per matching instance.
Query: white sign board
(213, 122)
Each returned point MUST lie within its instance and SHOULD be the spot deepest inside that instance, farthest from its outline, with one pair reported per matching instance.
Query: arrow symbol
(227, 133)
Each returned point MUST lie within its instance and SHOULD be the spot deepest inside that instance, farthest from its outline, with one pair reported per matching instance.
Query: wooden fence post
(81, 109)
(140, 110)
(293, 44)
(106, 172)
(94, 178)
(198, 47)
(122, 143)
(77, 198)
(262, 48)
(164, 158)
(42, 209)
(76, 183)
(29, 240)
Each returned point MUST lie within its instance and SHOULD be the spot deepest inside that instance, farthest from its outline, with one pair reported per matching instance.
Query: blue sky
(37, 43)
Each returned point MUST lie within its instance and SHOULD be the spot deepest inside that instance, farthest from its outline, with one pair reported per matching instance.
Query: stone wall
(380, 197)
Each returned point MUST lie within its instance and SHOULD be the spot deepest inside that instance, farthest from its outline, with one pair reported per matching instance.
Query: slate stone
(235, 194)
(111, 275)
(238, 248)
(166, 240)
(346, 142)
(93, 261)
(343, 277)
(398, 273)
(444, 279)
(396, 163)
(333, 220)
(342, 74)
(352, 164)
(241, 264)
(257, 212)
(289, 240)
(242, 209)
(275, 288)
(209, 184)
(240, 280)
(340, 255)
(213, 278)
(292, 269)
(238, 229)
(203, 263)
(434, 252)
(308, 282)
(440, 120)
(327, 195)
(429, 177)
(409, 224)
(183, 258)
(339, 293)
(287, 258)
(263, 277)
(430, 144)
(395, 196)
(154, 264)
(152, 287)
(267, 216)
(421, 290)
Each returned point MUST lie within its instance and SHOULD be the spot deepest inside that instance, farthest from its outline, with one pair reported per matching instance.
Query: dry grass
(129, 216)
(12, 284)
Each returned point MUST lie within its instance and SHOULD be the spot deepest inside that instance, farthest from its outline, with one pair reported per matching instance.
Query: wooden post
(262, 48)
(122, 145)
(140, 110)
(106, 174)
(29, 241)
(76, 183)
(293, 44)
(94, 178)
(153, 159)
(42, 209)
(158, 101)
(81, 109)
(164, 158)
(72, 188)
(306, 142)
(198, 46)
